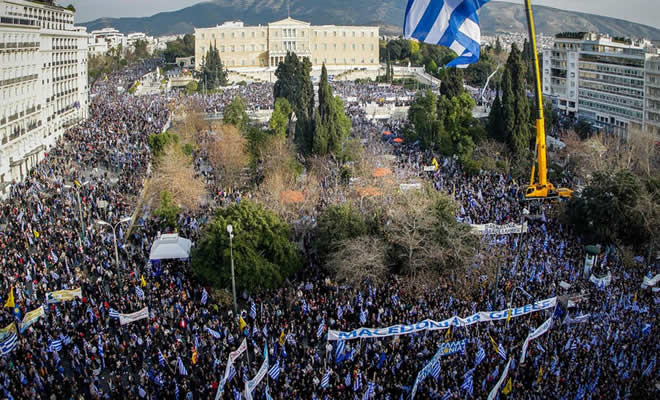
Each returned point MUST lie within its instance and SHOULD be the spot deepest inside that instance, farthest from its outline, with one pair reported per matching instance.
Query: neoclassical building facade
(265, 46)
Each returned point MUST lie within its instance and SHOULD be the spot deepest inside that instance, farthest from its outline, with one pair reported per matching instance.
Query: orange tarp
(387, 133)
(368, 191)
(292, 197)
(379, 172)
(398, 140)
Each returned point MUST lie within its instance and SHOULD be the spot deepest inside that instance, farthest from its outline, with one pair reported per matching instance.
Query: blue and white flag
(435, 372)
(9, 344)
(139, 292)
(274, 371)
(341, 345)
(468, 381)
(55, 345)
(363, 316)
(215, 334)
(450, 23)
(161, 359)
(113, 313)
(325, 382)
(181, 367)
(321, 329)
(253, 311)
(357, 384)
(481, 354)
(205, 296)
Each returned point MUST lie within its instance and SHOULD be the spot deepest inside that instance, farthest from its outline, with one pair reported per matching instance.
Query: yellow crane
(541, 189)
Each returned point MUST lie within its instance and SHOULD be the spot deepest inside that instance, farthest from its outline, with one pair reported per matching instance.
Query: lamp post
(114, 236)
(82, 222)
(230, 229)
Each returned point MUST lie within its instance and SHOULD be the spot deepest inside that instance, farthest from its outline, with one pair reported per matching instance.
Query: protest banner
(136, 316)
(63, 295)
(430, 325)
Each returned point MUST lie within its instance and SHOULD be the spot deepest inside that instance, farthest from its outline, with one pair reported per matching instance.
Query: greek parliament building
(262, 47)
(43, 82)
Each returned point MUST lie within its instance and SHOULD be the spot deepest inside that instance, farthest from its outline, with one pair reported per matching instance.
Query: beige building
(250, 47)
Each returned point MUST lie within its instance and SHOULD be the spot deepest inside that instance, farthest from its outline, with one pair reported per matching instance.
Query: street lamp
(230, 229)
(82, 222)
(114, 236)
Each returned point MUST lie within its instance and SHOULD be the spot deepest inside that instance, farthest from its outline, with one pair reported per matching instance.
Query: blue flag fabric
(450, 23)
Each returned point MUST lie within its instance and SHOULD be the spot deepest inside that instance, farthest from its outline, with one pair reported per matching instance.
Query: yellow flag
(10, 299)
(36, 234)
(493, 342)
(448, 335)
(194, 356)
(635, 298)
(241, 323)
(143, 283)
(508, 316)
(77, 183)
(538, 379)
(282, 338)
(8, 330)
(507, 388)
(435, 163)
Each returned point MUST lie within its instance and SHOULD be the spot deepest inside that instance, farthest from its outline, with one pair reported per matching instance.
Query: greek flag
(182, 368)
(341, 345)
(114, 313)
(363, 316)
(325, 382)
(253, 311)
(501, 351)
(467, 383)
(447, 395)
(357, 384)
(139, 292)
(340, 312)
(435, 372)
(232, 373)
(161, 359)
(274, 371)
(213, 333)
(347, 379)
(371, 389)
(205, 296)
(481, 355)
(319, 331)
(9, 344)
(55, 345)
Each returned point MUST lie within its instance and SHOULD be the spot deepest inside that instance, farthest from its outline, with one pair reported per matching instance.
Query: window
(253, 34)
(242, 34)
(202, 36)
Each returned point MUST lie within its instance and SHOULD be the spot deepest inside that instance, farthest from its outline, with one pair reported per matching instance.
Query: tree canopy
(213, 73)
(263, 250)
(180, 47)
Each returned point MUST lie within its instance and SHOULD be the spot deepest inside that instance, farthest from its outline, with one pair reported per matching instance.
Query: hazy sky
(643, 11)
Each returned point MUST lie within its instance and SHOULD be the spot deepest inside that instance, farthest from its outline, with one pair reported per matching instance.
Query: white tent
(169, 246)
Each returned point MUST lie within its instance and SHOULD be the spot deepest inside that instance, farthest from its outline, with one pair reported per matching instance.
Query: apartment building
(652, 94)
(246, 47)
(597, 78)
(43, 82)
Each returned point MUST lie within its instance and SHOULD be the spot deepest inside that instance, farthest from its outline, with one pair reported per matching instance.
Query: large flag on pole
(450, 23)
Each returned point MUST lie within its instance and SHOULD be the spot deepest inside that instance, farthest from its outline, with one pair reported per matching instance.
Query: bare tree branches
(227, 154)
(360, 259)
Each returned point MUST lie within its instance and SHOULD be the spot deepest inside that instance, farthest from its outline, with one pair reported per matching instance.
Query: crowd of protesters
(602, 344)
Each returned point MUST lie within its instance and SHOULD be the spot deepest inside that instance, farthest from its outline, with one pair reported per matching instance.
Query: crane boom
(543, 188)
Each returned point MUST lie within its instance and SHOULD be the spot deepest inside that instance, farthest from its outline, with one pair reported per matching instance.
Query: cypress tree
(515, 105)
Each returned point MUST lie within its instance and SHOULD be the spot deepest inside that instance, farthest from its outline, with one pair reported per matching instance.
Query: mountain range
(388, 14)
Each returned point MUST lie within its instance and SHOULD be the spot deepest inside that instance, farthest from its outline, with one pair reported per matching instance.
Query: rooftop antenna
(288, 9)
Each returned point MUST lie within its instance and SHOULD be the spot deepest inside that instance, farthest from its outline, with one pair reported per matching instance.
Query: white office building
(598, 78)
(43, 82)
(652, 93)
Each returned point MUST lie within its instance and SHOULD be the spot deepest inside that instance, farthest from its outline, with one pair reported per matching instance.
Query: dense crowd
(602, 344)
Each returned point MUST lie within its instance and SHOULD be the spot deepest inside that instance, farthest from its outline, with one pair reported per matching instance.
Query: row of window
(287, 46)
(610, 109)
(611, 99)
(288, 33)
